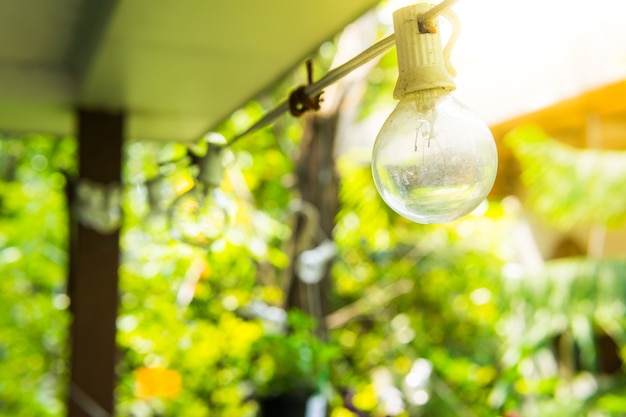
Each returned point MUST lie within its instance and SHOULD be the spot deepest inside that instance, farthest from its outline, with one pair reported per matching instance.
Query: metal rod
(341, 71)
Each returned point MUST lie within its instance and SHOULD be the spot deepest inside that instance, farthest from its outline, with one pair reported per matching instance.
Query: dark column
(318, 184)
(93, 286)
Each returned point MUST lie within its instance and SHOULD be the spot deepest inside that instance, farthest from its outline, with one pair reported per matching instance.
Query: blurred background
(314, 293)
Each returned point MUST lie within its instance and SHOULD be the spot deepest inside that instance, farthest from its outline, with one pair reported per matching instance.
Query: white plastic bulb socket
(200, 216)
(434, 160)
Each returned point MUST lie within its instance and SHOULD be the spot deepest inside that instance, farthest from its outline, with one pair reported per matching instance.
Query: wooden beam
(566, 122)
(93, 286)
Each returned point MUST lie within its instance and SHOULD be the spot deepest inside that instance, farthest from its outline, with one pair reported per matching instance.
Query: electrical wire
(437, 10)
(341, 71)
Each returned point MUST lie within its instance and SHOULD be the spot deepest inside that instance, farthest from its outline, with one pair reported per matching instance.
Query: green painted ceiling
(176, 67)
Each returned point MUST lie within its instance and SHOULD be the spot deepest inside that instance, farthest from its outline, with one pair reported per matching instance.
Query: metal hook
(299, 101)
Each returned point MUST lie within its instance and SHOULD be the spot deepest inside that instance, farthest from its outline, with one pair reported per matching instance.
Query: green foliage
(554, 331)
(447, 313)
(293, 361)
(568, 186)
(33, 259)
(184, 308)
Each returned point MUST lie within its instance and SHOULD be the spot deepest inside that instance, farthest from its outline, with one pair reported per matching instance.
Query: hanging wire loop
(425, 20)
(436, 10)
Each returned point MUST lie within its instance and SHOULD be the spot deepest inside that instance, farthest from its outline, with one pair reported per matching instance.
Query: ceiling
(179, 67)
(175, 67)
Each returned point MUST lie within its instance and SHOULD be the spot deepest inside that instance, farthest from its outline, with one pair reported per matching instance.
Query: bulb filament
(424, 133)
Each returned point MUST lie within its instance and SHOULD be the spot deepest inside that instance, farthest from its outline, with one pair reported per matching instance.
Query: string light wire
(316, 88)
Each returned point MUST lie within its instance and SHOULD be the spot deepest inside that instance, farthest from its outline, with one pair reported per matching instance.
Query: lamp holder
(422, 62)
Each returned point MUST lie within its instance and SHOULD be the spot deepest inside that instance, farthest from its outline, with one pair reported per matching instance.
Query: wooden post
(318, 184)
(93, 281)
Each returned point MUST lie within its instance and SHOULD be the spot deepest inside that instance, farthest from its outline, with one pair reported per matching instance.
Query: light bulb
(200, 215)
(434, 160)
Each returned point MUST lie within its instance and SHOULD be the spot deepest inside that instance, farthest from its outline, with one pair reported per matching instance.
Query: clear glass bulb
(200, 215)
(434, 160)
